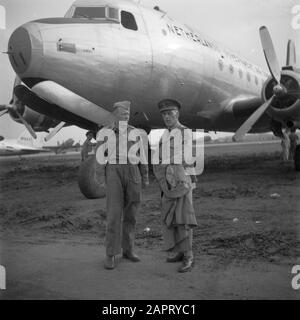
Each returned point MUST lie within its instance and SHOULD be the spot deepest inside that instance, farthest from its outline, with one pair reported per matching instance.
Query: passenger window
(248, 76)
(256, 80)
(128, 21)
(241, 73)
(231, 69)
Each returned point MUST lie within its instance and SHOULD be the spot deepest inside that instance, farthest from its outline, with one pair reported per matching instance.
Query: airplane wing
(10, 150)
(29, 150)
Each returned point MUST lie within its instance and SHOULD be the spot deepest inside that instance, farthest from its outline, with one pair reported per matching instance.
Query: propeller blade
(3, 112)
(54, 131)
(291, 54)
(4, 107)
(27, 125)
(248, 124)
(270, 53)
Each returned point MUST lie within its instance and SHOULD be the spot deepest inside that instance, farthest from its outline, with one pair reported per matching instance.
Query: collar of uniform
(177, 126)
(116, 129)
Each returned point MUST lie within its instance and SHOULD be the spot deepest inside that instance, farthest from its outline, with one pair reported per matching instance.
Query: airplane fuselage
(105, 61)
(15, 149)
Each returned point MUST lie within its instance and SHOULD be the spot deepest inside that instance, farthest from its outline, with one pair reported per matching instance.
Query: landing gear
(91, 178)
(297, 158)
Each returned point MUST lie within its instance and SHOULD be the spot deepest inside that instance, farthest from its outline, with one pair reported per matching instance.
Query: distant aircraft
(23, 145)
(64, 147)
(26, 144)
(71, 70)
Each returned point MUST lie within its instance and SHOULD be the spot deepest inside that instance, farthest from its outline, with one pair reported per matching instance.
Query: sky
(234, 23)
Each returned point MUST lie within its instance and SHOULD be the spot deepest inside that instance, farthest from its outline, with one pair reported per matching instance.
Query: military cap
(168, 104)
(122, 104)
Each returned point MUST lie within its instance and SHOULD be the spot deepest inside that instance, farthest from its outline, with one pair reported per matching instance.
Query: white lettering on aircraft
(180, 32)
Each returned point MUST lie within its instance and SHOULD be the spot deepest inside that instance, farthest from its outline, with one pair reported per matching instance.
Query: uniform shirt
(173, 152)
(115, 155)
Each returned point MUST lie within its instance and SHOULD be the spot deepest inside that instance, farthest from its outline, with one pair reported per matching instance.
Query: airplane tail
(27, 140)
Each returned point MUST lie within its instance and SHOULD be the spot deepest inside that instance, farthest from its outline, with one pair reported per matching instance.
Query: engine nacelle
(285, 108)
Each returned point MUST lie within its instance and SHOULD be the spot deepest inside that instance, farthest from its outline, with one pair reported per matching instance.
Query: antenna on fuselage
(157, 8)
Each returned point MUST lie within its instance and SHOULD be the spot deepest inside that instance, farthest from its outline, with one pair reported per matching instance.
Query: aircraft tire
(297, 158)
(91, 178)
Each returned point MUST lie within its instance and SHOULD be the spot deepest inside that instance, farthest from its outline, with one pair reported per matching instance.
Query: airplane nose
(24, 45)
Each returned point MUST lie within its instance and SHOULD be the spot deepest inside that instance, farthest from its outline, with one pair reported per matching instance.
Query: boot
(187, 264)
(109, 262)
(131, 256)
(176, 257)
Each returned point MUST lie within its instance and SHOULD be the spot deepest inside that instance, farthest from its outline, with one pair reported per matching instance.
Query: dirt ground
(245, 245)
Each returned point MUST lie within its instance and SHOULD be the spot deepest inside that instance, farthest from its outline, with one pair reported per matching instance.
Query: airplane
(70, 70)
(23, 145)
(63, 147)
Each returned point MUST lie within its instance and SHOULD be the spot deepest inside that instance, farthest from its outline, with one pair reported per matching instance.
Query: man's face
(90, 136)
(170, 117)
(122, 114)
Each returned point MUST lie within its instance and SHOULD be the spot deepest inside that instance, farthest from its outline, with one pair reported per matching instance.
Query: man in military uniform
(293, 143)
(176, 182)
(87, 145)
(123, 192)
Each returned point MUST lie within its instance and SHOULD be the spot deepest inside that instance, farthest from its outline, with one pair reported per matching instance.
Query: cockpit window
(128, 21)
(90, 12)
(96, 13)
(113, 13)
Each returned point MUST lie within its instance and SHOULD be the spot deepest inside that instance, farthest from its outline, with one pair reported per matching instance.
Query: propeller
(279, 90)
(270, 54)
(4, 108)
(246, 127)
(13, 107)
(26, 124)
(3, 112)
